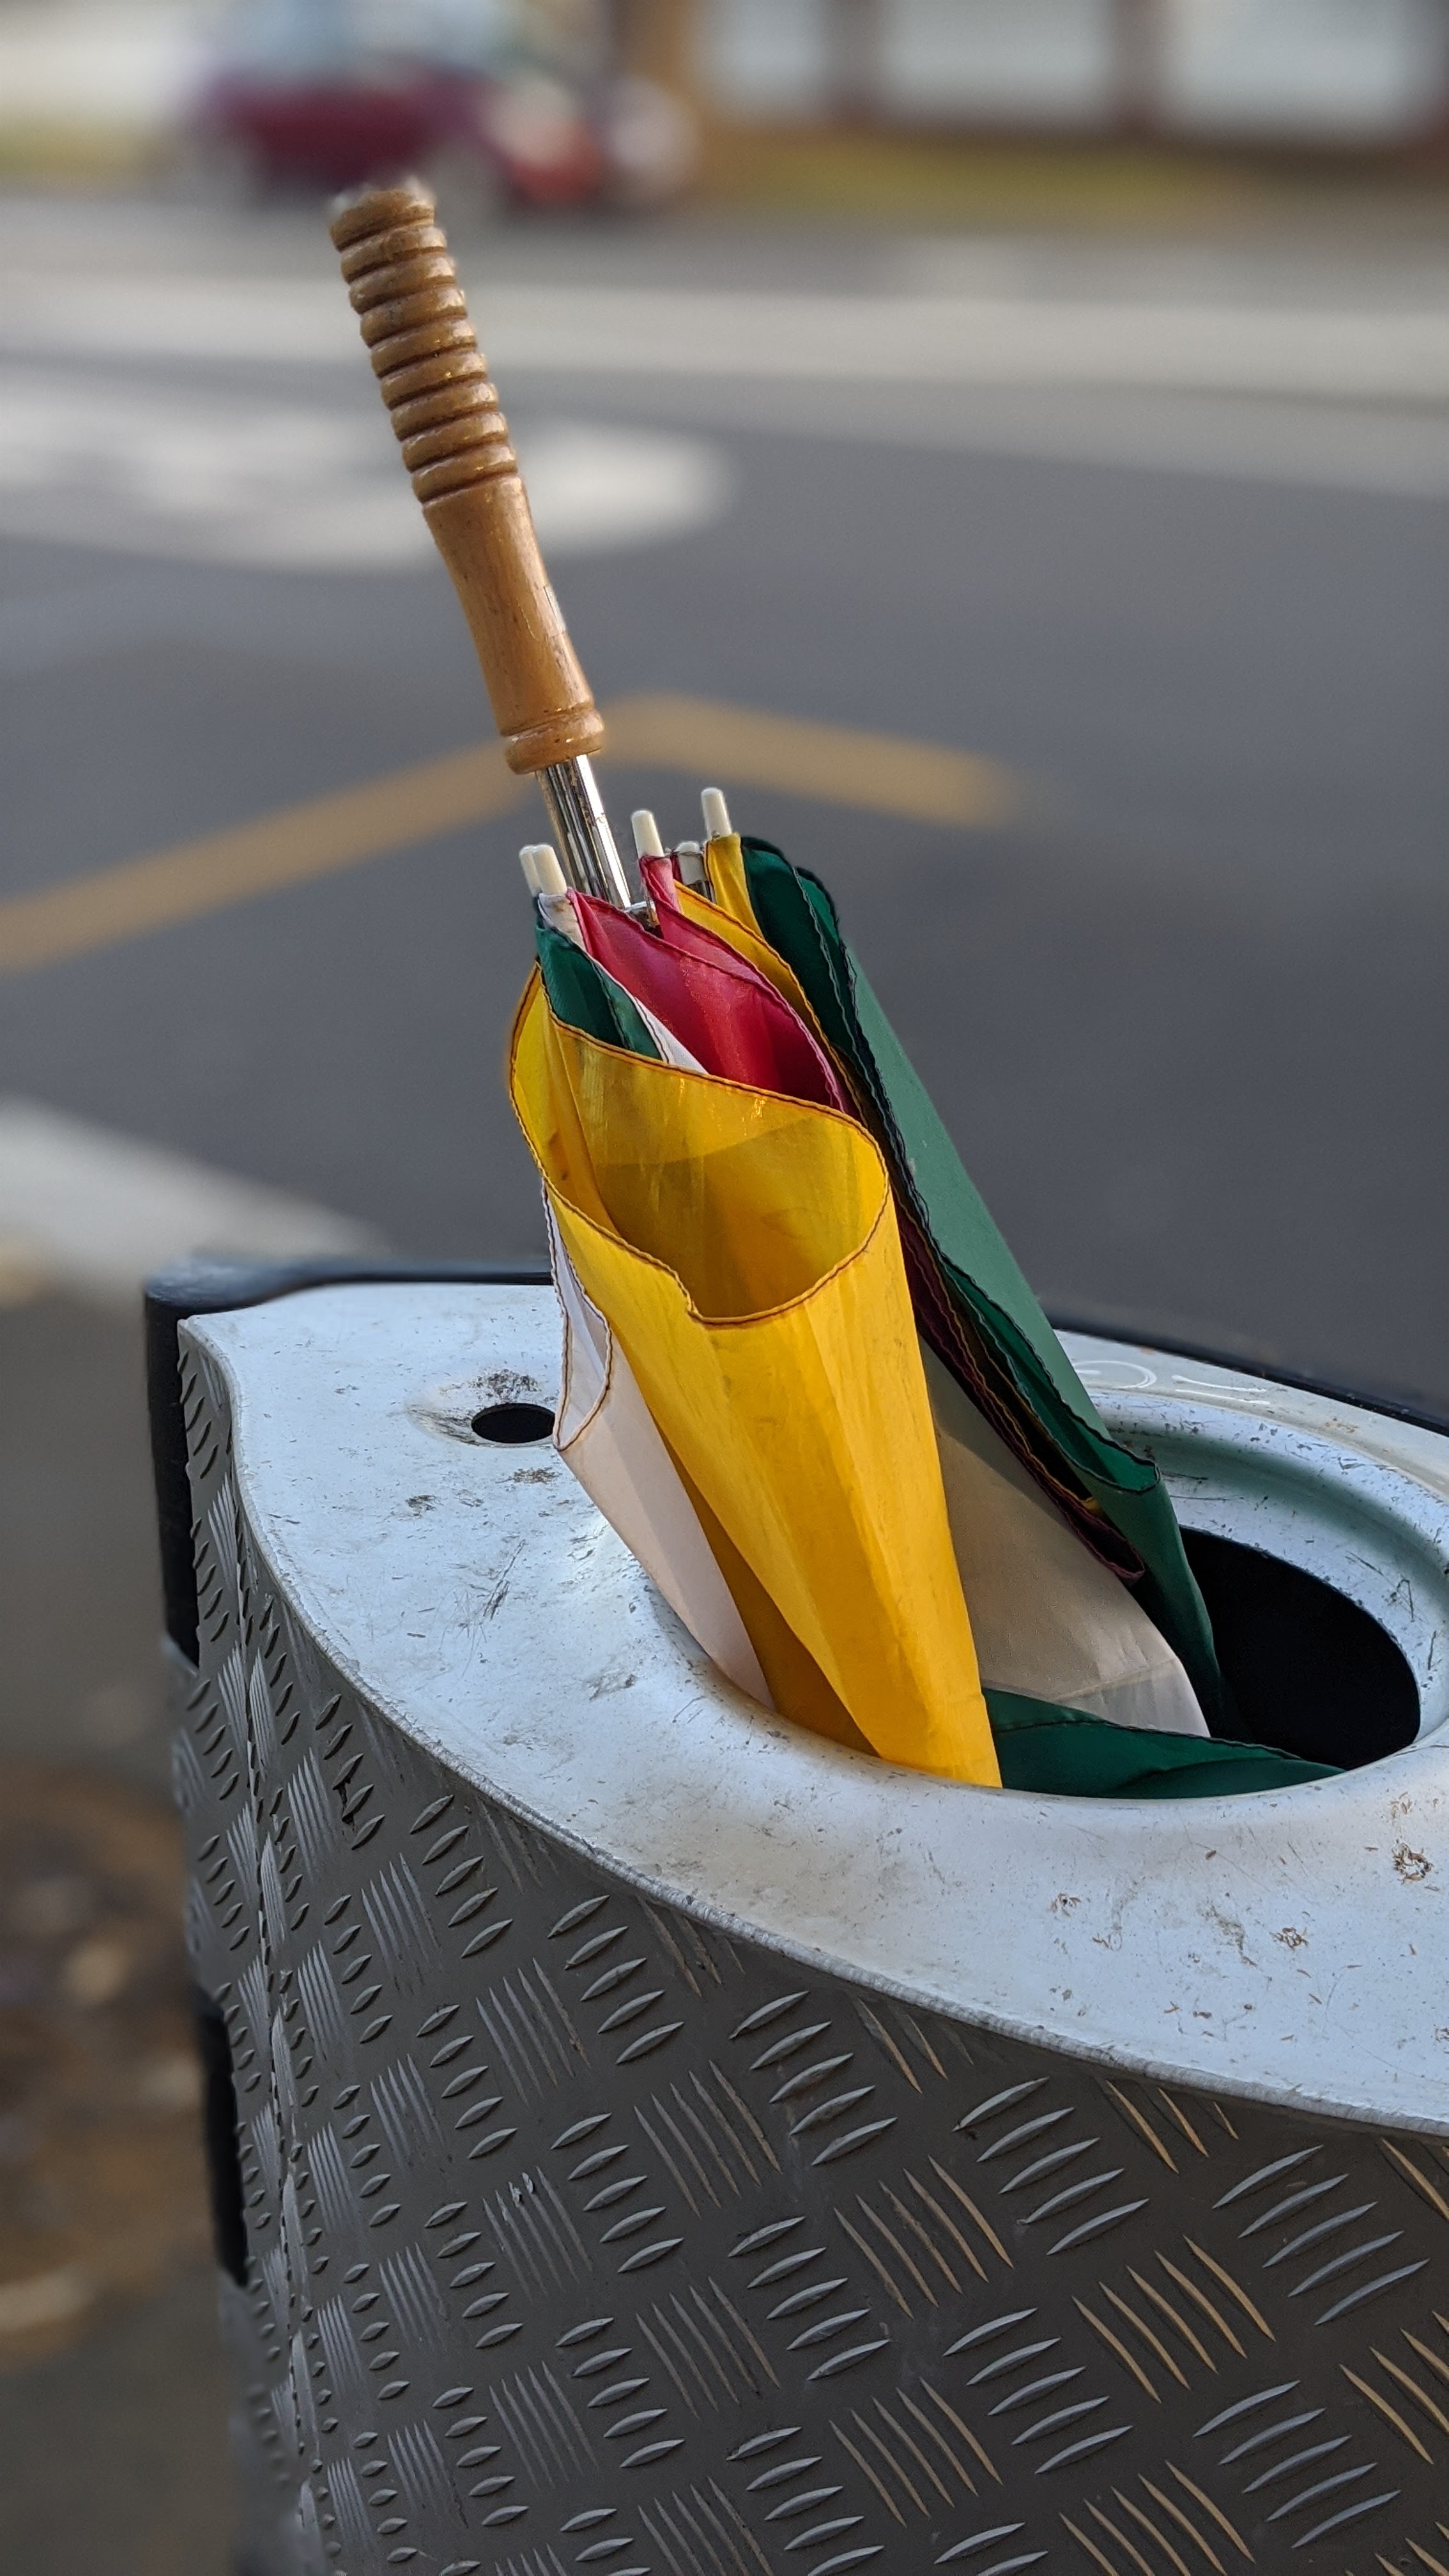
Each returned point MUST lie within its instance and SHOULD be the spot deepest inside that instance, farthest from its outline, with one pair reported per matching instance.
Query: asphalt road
(1184, 1017)
(1184, 1013)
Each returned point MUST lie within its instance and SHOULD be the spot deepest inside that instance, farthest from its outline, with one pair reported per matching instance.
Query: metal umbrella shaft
(455, 443)
(581, 830)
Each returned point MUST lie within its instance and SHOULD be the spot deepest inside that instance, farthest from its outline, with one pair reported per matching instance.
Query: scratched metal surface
(1282, 1947)
(583, 2237)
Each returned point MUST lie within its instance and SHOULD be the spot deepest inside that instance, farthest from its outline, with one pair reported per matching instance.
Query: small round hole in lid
(513, 1426)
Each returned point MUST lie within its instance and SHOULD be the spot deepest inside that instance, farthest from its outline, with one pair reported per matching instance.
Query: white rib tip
(646, 834)
(542, 872)
(717, 824)
(692, 867)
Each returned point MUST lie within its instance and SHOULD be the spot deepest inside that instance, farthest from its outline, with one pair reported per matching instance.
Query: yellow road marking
(878, 771)
(281, 849)
(920, 782)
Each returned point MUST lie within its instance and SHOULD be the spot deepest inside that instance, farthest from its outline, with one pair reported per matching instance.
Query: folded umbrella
(803, 1376)
(1050, 1621)
(1080, 1687)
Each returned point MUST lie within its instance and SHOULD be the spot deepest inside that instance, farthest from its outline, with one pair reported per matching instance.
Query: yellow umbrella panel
(743, 1249)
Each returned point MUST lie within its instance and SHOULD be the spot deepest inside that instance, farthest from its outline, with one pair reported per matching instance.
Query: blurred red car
(300, 95)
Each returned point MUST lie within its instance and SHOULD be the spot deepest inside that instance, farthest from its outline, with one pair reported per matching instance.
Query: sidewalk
(112, 2408)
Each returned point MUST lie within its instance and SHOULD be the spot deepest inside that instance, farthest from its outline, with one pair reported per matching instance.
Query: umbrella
(804, 1378)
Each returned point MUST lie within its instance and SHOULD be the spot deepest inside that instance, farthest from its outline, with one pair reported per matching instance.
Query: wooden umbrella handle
(455, 444)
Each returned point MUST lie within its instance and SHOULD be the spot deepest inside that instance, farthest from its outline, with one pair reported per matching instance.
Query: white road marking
(215, 478)
(1400, 453)
(593, 487)
(1330, 353)
(83, 1208)
(976, 340)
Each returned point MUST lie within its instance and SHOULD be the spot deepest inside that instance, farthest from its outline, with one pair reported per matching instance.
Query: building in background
(1329, 71)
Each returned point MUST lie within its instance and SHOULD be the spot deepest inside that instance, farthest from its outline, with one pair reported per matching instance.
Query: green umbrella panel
(1012, 1353)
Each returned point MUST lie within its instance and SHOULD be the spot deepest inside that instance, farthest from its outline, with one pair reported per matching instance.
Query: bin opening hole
(1309, 1671)
(512, 1426)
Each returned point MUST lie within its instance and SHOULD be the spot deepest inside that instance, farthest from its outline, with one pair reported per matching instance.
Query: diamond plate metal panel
(581, 2238)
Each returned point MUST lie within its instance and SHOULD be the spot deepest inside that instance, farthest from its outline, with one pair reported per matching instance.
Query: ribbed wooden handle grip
(455, 445)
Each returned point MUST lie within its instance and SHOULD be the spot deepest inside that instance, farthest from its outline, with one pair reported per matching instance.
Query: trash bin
(653, 2140)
